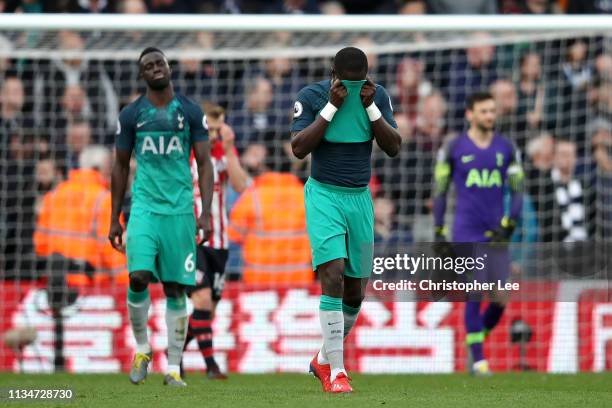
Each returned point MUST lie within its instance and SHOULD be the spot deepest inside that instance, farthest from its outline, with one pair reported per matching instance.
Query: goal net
(64, 79)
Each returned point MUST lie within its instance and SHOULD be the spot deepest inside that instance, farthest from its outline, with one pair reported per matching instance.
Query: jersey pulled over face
(341, 159)
(161, 139)
(479, 176)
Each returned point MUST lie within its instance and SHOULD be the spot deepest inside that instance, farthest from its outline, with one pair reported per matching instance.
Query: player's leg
(474, 337)
(499, 259)
(177, 265)
(176, 324)
(354, 293)
(327, 234)
(142, 250)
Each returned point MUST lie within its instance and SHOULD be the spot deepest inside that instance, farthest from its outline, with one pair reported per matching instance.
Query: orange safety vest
(74, 221)
(269, 220)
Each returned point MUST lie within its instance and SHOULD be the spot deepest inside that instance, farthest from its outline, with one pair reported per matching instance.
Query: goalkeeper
(480, 164)
(336, 120)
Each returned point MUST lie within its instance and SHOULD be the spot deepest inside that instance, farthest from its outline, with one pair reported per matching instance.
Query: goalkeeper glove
(503, 233)
(441, 247)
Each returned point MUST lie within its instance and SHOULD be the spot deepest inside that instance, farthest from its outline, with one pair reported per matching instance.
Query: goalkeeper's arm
(442, 177)
(508, 223)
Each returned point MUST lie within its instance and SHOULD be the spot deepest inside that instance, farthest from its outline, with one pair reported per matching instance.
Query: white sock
(349, 322)
(332, 327)
(139, 317)
(335, 372)
(173, 369)
(176, 323)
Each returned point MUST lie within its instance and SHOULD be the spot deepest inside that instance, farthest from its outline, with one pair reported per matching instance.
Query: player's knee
(201, 299)
(139, 280)
(353, 300)
(173, 290)
(332, 277)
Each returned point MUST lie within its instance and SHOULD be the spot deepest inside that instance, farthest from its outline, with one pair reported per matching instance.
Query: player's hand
(337, 93)
(368, 90)
(227, 137)
(441, 247)
(503, 233)
(115, 236)
(204, 226)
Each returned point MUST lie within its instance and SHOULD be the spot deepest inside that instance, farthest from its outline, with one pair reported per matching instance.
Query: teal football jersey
(161, 139)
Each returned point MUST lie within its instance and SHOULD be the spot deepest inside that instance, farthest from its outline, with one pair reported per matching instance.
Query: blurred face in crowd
(411, 73)
(46, 175)
(368, 46)
(482, 116)
(332, 8)
(403, 126)
(74, 99)
(154, 69)
(531, 67)
(12, 96)
(542, 151)
(254, 159)
(78, 136)
(134, 7)
(603, 65)
(71, 41)
(413, 7)
(604, 97)
(431, 119)
(383, 213)
(278, 67)
(577, 53)
(20, 147)
(482, 54)
(505, 97)
(260, 96)
(565, 157)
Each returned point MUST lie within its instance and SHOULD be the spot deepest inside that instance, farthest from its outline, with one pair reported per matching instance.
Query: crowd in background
(309, 6)
(554, 101)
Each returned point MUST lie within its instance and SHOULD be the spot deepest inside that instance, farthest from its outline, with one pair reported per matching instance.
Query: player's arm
(380, 112)
(308, 128)
(442, 177)
(515, 180)
(238, 178)
(201, 152)
(124, 144)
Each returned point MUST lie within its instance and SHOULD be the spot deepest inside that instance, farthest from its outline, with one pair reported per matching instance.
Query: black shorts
(210, 270)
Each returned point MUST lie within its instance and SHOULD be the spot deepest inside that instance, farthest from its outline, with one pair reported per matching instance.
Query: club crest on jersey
(159, 145)
(180, 119)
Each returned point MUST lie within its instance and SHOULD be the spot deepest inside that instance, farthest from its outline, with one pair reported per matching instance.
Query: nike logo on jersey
(467, 159)
(140, 124)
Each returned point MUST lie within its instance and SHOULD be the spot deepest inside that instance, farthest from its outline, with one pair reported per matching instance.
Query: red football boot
(341, 384)
(322, 372)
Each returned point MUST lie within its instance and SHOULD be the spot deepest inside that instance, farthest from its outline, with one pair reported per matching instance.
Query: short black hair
(350, 60)
(149, 50)
(477, 97)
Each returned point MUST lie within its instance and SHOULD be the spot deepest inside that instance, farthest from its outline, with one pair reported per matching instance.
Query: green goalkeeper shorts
(340, 224)
(162, 244)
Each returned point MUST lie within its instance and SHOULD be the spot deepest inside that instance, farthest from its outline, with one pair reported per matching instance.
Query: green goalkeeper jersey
(161, 139)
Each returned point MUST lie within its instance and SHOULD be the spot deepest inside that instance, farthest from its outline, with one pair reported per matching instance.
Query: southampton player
(161, 127)
(336, 120)
(212, 254)
(482, 166)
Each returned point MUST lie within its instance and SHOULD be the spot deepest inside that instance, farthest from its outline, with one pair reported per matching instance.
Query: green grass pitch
(514, 390)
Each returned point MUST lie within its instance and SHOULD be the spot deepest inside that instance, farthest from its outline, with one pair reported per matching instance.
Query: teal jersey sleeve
(304, 112)
(197, 121)
(125, 136)
(383, 102)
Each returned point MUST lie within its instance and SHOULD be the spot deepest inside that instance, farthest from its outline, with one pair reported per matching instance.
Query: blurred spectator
(589, 7)
(474, 71)
(602, 101)
(411, 7)
(193, 78)
(461, 7)
(12, 98)
(92, 6)
(58, 74)
(412, 86)
(293, 7)
(170, 6)
(601, 142)
(389, 236)
(529, 6)
(133, 7)
(286, 83)
(540, 152)
(74, 220)
(530, 92)
(256, 121)
(370, 7)
(269, 221)
(17, 199)
(567, 106)
(540, 158)
(378, 66)
(506, 102)
(47, 175)
(78, 137)
(332, 8)
(603, 67)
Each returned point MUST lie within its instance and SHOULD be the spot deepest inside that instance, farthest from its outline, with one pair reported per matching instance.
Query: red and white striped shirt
(218, 210)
